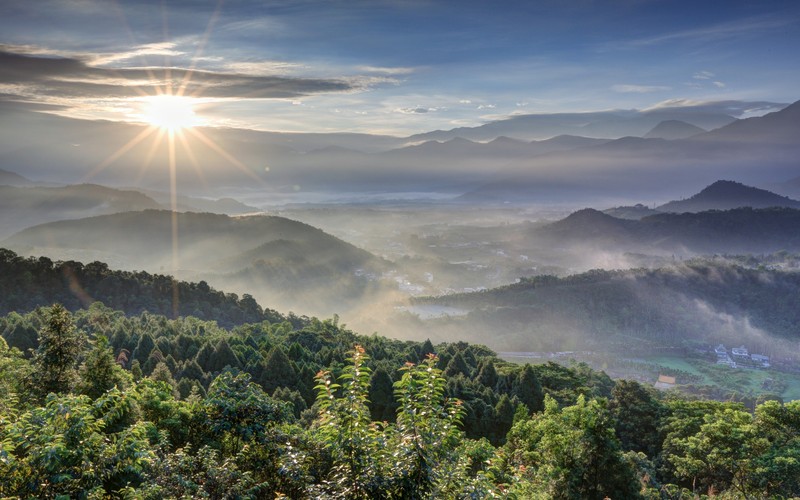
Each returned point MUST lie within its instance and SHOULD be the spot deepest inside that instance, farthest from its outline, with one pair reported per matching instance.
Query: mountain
(776, 128)
(740, 230)
(279, 261)
(28, 206)
(634, 212)
(8, 178)
(638, 308)
(227, 206)
(603, 124)
(749, 150)
(724, 195)
(673, 129)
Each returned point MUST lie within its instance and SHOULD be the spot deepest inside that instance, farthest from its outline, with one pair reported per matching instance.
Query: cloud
(638, 89)
(733, 108)
(150, 49)
(486, 106)
(70, 77)
(733, 29)
(719, 85)
(416, 110)
(385, 70)
(703, 75)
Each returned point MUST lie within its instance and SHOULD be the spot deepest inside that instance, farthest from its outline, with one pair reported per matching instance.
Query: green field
(748, 382)
(742, 380)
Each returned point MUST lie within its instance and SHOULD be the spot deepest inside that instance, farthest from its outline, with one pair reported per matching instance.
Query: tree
(528, 389)
(55, 361)
(571, 453)
(100, 372)
(721, 455)
(381, 402)
(488, 374)
(238, 411)
(637, 414)
(347, 432)
(278, 371)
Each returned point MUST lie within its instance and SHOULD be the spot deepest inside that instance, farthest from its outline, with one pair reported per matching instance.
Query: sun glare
(169, 112)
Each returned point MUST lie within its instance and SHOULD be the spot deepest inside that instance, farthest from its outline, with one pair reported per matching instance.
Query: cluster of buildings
(741, 356)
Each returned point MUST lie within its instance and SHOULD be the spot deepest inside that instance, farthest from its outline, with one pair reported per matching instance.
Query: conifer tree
(55, 361)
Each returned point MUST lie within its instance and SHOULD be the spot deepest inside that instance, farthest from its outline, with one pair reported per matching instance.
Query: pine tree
(100, 372)
(55, 361)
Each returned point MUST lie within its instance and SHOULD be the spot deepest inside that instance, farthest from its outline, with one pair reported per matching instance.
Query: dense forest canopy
(100, 402)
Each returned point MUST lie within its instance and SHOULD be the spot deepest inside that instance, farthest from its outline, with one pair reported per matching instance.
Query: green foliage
(100, 372)
(55, 361)
(237, 412)
(72, 447)
(45, 282)
(571, 453)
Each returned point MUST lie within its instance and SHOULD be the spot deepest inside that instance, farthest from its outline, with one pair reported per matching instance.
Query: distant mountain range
(749, 150)
(673, 129)
(527, 158)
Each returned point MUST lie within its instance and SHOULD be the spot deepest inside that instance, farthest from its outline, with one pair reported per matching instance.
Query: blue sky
(395, 67)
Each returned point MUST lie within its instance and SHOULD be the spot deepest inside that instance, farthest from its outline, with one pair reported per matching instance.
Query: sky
(391, 66)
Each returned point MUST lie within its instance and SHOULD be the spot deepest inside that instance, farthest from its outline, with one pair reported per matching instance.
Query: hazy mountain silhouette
(277, 260)
(777, 128)
(673, 129)
(634, 212)
(659, 167)
(8, 178)
(27, 206)
(603, 124)
(744, 230)
(724, 195)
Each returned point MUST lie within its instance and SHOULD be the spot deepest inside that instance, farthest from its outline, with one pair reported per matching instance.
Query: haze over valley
(586, 178)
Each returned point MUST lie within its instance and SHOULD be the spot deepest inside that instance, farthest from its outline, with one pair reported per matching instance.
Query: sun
(169, 112)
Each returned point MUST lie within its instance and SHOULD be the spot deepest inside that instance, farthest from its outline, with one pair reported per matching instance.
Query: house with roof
(760, 360)
(740, 353)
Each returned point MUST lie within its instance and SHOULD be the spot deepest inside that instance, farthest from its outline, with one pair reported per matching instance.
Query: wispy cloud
(150, 49)
(703, 75)
(385, 70)
(715, 32)
(417, 110)
(72, 77)
(638, 89)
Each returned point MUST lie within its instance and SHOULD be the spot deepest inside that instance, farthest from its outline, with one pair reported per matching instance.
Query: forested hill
(740, 230)
(28, 283)
(725, 195)
(664, 306)
(143, 240)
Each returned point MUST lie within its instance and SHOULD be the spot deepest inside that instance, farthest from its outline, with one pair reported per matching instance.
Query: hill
(634, 212)
(8, 178)
(278, 260)
(724, 195)
(741, 230)
(38, 282)
(700, 300)
(673, 129)
(28, 206)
